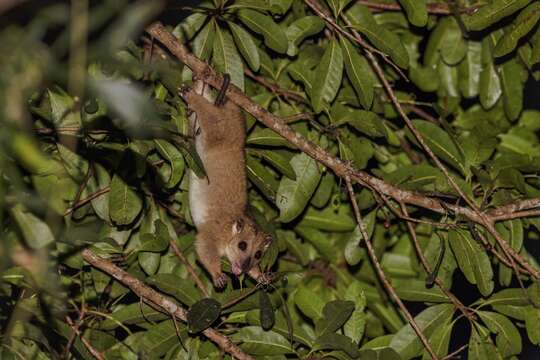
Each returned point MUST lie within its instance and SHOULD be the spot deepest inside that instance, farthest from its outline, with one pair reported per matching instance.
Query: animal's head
(247, 246)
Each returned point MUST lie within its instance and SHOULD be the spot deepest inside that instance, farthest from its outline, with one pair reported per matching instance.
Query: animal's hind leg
(220, 99)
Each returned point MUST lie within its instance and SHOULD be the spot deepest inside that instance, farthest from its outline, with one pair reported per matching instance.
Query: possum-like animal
(218, 203)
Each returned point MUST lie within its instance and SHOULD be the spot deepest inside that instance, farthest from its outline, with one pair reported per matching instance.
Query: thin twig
(86, 200)
(91, 349)
(380, 272)
(189, 268)
(144, 291)
(458, 304)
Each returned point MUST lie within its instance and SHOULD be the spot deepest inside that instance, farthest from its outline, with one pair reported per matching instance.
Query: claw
(220, 281)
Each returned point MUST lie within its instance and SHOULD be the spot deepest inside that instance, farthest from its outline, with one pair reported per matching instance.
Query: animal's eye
(242, 245)
(258, 255)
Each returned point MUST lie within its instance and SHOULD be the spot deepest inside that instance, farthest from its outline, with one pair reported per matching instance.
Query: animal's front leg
(259, 276)
(210, 258)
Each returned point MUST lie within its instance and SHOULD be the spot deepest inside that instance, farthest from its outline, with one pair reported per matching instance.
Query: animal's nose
(246, 265)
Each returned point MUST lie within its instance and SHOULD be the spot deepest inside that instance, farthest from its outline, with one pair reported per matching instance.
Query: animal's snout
(246, 265)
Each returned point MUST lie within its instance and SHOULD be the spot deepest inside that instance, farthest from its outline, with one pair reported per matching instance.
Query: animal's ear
(238, 226)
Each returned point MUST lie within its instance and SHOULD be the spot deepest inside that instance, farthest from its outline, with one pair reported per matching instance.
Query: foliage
(94, 154)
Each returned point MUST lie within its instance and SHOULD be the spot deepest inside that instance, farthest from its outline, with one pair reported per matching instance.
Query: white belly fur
(198, 189)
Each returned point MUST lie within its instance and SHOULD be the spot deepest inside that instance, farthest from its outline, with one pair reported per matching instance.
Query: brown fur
(219, 202)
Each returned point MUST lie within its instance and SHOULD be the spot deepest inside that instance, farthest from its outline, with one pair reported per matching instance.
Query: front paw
(265, 278)
(220, 281)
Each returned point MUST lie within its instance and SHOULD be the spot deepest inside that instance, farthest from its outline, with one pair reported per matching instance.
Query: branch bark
(144, 291)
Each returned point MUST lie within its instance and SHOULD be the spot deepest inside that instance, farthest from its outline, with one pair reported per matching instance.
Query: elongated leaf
(204, 41)
(328, 77)
(524, 23)
(355, 326)
(470, 69)
(309, 303)
(274, 36)
(124, 203)
(329, 219)
(472, 260)
(262, 178)
(300, 29)
(441, 144)
(226, 57)
(246, 45)
(267, 137)
(492, 12)
(358, 72)
(416, 11)
(335, 314)
(175, 159)
(384, 40)
(512, 89)
(416, 290)
(255, 341)
(294, 195)
(35, 231)
(332, 341)
(407, 343)
(508, 339)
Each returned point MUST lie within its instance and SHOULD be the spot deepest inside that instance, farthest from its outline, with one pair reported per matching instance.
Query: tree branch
(144, 291)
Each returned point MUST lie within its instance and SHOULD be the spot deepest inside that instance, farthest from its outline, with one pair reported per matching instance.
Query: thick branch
(142, 290)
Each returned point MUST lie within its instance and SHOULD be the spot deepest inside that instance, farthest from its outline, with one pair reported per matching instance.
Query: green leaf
(124, 203)
(366, 122)
(246, 45)
(508, 339)
(490, 85)
(294, 195)
(267, 316)
(493, 12)
(202, 314)
(358, 72)
(274, 36)
(309, 303)
(525, 22)
(36, 232)
(416, 290)
(156, 241)
(171, 284)
(255, 341)
(512, 89)
(300, 29)
(532, 324)
(440, 341)
(383, 39)
(407, 343)
(416, 11)
(262, 178)
(135, 313)
(355, 326)
(159, 339)
(469, 70)
(329, 219)
(472, 260)
(280, 160)
(441, 144)
(204, 41)
(328, 76)
(226, 57)
(175, 159)
(453, 47)
(280, 6)
(332, 341)
(335, 314)
(266, 137)
(75, 165)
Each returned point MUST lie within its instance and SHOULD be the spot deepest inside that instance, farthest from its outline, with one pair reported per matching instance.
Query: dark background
(173, 14)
